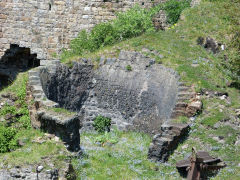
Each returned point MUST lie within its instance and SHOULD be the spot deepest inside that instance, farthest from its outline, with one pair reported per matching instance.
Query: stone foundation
(140, 99)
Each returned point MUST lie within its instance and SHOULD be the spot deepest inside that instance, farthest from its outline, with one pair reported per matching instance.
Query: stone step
(183, 88)
(186, 94)
(168, 136)
(37, 89)
(33, 73)
(183, 109)
(181, 104)
(34, 82)
(34, 78)
(38, 95)
(183, 99)
(50, 104)
(177, 113)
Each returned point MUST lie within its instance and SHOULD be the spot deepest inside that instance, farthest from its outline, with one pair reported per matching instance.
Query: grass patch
(28, 153)
(62, 111)
(126, 159)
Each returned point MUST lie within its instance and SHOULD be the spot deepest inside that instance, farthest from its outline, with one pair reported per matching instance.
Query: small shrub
(129, 68)
(8, 110)
(102, 124)
(133, 22)
(174, 9)
(7, 135)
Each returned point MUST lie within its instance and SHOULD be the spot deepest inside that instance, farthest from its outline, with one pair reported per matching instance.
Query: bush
(134, 22)
(102, 124)
(129, 68)
(174, 9)
(8, 110)
(7, 141)
(127, 24)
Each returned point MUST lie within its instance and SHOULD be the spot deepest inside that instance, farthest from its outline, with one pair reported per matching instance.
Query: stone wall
(47, 26)
(141, 99)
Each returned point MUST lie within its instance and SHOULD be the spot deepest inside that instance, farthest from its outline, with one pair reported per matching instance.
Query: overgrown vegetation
(19, 116)
(128, 24)
(21, 145)
(174, 9)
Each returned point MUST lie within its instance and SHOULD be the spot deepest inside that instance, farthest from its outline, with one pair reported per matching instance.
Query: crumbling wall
(141, 98)
(47, 26)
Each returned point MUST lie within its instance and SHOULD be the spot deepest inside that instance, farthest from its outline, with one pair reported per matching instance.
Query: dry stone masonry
(142, 98)
(166, 141)
(145, 98)
(47, 26)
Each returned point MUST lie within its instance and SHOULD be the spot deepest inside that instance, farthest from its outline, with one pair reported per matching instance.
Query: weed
(106, 138)
(129, 68)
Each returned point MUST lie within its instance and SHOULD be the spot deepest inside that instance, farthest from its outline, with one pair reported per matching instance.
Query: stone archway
(16, 59)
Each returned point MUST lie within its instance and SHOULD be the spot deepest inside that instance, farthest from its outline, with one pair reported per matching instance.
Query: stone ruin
(48, 26)
(144, 98)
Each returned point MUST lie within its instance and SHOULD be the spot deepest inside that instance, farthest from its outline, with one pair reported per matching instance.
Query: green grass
(62, 111)
(34, 153)
(30, 153)
(126, 159)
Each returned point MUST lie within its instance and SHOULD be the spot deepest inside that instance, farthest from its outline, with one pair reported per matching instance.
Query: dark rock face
(141, 99)
(68, 87)
(166, 142)
(209, 44)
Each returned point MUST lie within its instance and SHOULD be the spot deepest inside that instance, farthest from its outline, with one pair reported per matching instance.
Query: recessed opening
(4, 81)
(16, 59)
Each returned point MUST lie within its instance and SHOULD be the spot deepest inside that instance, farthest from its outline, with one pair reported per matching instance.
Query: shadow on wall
(15, 60)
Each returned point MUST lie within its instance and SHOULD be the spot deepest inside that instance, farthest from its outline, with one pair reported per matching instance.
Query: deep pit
(139, 99)
(16, 59)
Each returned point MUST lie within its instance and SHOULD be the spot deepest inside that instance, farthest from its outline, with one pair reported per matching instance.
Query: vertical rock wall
(142, 98)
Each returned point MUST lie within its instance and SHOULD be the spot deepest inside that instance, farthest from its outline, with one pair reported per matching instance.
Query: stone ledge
(65, 127)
